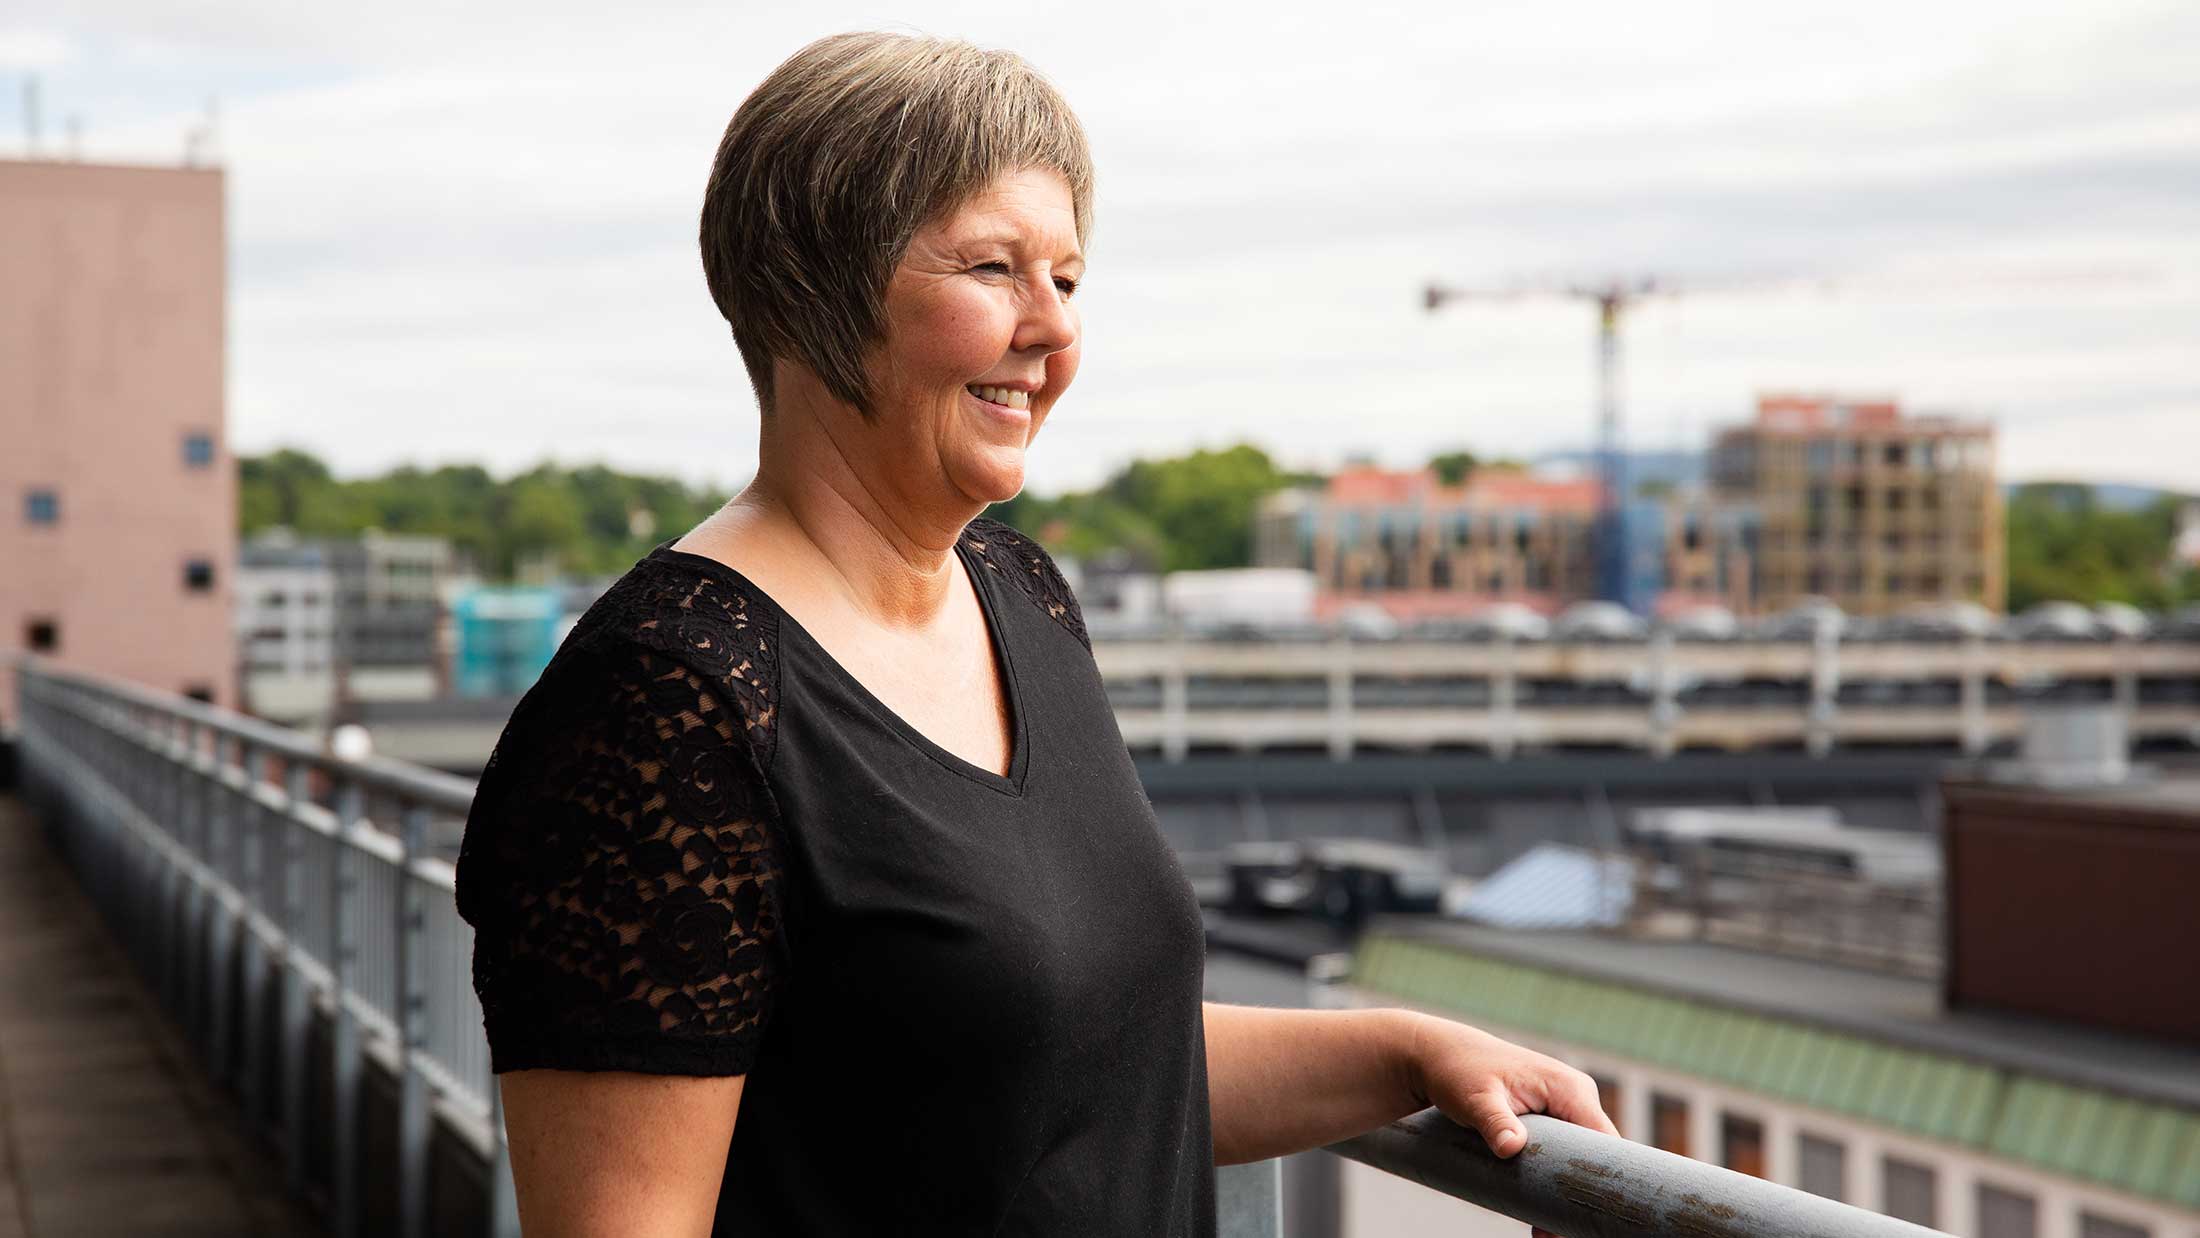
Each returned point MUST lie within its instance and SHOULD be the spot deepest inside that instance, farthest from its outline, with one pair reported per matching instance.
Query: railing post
(1340, 698)
(1175, 702)
(1665, 709)
(1972, 696)
(1249, 1200)
(344, 1050)
(251, 1076)
(412, 1027)
(220, 830)
(1504, 699)
(189, 982)
(296, 1014)
(170, 935)
(1825, 685)
(503, 1202)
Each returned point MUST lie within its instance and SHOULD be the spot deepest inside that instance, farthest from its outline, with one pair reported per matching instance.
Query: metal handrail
(175, 817)
(170, 814)
(1586, 1184)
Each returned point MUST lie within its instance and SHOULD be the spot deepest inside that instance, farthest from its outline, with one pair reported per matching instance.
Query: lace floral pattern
(1025, 562)
(619, 865)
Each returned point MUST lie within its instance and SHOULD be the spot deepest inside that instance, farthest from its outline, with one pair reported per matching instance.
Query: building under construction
(1856, 502)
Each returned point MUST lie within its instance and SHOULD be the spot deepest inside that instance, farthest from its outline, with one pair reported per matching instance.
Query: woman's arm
(618, 1154)
(1282, 1081)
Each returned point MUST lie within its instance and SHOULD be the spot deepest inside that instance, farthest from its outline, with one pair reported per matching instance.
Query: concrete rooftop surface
(106, 1126)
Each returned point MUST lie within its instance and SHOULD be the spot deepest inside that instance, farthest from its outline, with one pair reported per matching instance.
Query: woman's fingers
(1491, 1113)
(1575, 1100)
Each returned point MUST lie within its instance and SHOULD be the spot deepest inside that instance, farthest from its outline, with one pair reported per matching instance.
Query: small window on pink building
(42, 635)
(198, 575)
(199, 692)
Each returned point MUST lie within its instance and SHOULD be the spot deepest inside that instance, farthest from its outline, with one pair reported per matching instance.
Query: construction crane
(1612, 298)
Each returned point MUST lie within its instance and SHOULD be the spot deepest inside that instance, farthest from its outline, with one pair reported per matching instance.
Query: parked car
(2055, 621)
(1805, 620)
(1598, 621)
(1703, 623)
(1942, 621)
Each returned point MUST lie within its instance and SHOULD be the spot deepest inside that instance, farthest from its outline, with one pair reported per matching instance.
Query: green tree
(2064, 545)
(1452, 467)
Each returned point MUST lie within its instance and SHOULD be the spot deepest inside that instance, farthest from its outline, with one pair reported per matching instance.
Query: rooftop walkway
(107, 1126)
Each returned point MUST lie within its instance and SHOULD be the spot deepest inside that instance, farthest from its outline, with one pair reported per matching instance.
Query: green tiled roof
(2141, 1147)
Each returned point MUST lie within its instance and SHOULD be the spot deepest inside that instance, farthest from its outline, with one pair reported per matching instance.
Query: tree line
(1181, 512)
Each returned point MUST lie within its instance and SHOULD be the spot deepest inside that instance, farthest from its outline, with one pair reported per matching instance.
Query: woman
(820, 816)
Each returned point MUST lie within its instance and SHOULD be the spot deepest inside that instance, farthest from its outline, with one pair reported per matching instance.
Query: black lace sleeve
(619, 868)
(1023, 560)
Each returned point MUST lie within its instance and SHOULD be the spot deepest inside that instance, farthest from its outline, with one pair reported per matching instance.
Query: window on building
(1669, 1124)
(1823, 1165)
(2093, 1225)
(1911, 1192)
(198, 575)
(1897, 454)
(198, 450)
(2006, 1214)
(199, 692)
(1742, 1145)
(42, 635)
(42, 507)
(1608, 1099)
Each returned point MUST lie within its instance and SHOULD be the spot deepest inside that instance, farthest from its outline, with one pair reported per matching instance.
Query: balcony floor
(106, 1126)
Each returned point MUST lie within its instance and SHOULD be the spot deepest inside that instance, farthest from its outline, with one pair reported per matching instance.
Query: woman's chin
(991, 474)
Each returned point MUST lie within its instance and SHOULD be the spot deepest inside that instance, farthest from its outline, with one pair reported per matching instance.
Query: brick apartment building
(118, 502)
(1420, 549)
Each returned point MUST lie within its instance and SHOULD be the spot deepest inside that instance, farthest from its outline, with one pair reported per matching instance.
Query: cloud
(24, 48)
(466, 232)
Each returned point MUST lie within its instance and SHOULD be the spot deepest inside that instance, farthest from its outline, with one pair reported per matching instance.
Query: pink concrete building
(118, 497)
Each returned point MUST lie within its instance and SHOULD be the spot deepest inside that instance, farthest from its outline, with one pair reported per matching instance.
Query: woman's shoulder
(1019, 557)
(693, 632)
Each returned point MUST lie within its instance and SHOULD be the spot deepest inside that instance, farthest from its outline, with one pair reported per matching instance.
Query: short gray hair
(832, 164)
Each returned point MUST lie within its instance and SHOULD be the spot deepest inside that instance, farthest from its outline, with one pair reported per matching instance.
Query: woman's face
(981, 335)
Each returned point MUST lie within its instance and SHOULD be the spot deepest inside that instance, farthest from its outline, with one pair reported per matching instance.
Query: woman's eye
(1067, 285)
(999, 267)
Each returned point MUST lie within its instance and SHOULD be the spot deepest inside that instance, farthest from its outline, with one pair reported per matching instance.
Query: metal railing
(1585, 1184)
(245, 873)
(264, 885)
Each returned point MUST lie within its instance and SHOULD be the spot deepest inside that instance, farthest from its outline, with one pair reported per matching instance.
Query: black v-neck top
(966, 1002)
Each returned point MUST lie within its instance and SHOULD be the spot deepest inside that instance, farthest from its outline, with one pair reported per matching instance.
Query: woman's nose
(1049, 324)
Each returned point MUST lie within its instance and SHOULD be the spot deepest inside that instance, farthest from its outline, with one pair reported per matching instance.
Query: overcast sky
(466, 232)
